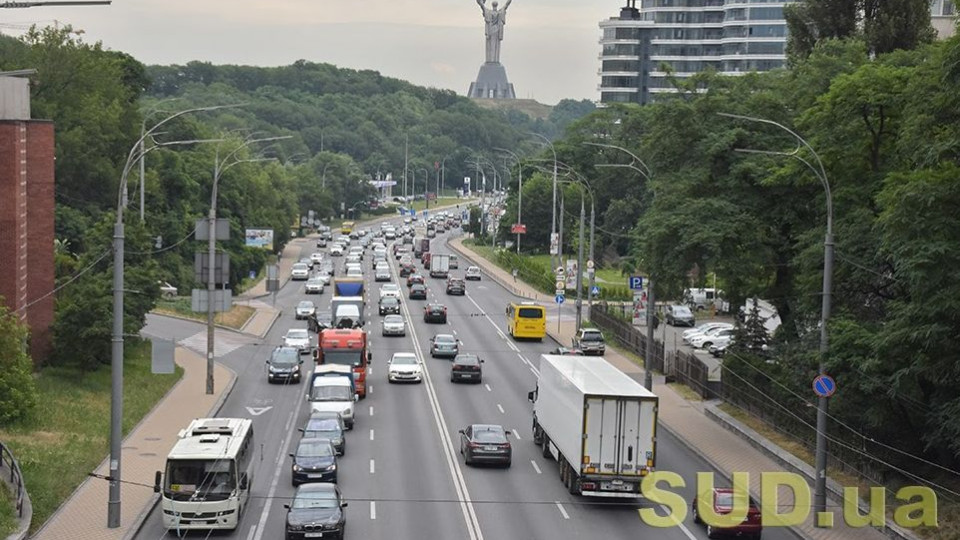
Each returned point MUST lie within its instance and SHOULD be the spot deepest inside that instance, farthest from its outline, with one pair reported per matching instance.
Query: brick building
(26, 214)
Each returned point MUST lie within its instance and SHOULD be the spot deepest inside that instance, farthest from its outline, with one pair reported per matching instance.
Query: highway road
(402, 473)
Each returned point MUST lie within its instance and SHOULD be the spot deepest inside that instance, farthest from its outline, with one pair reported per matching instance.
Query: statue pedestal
(492, 83)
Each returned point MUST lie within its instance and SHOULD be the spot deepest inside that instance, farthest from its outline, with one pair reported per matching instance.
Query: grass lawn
(180, 306)
(8, 516)
(442, 201)
(68, 434)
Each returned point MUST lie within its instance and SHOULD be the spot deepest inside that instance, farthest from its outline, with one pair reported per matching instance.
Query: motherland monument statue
(492, 80)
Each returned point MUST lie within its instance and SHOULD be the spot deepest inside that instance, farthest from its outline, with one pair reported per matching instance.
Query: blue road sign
(635, 282)
(595, 290)
(425, 213)
(559, 298)
(824, 386)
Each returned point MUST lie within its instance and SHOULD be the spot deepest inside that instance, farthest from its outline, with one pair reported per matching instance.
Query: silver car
(300, 271)
(393, 325)
(315, 285)
(297, 338)
(305, 309)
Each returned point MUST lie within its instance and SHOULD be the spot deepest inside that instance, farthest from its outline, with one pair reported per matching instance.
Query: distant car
(407, 269)
(393, 325)
(414, 278)
(717, 350)
(704, 341)
(297, 338)
(336, 250)
(404, 367)
(315, 285)
(321, 242)
(300, 272)
(466, 367)
(326, 267)
(431, 233)
(679, 315)
(435, 313)
(472, 274)
(567, 351)
(390, 289)
(454, 262)
(703, 329)
(284, 365)
(353, 258)
(312, 504)
(326, 425)
(305, 309)
(456, 286)
(590, 341)
(316, 257)
(723, 502)
(418, 291)
(382, 273)
(167, 290)
(444, 345)
(315, 460)
(320, 321)
(389, 305)
(485, 443)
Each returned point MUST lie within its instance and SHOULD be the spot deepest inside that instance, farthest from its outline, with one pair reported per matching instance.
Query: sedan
(297, 338)
(316, 509)
(389, 305)
(316, 257)
(336, 250)
(393, 325)
(485, 443)
(435, 313)
(306, 309)
(704, 341)
(390, 289)
(472, 274)
(314, 461)
(466, 367)
(300, 271)
(703, 329)
(382, 273)
(326, 425)
(418, 291)
(723, 503)
(444, 345)
(413, 279)
(404, 367)
(456, 286)
(315, 285)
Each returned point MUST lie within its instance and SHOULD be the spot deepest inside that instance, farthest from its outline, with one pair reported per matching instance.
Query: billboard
(260, 238)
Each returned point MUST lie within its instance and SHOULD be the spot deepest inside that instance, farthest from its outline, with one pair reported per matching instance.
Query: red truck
(348, 347)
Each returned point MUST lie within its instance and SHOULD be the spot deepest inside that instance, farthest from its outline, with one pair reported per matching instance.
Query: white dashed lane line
(371, 434)
(487, 386)
(373, 467)
(536, 467)
(501, 408)
(562, 511)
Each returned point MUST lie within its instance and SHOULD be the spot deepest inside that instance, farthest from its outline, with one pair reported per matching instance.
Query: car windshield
(724, 499)
(301, 267)
(531, 313)
(682, 311)
(592, 336)
(322, 424)
(305, 305)
(489, 434)
(297, 334)
(285, 357)
(331, 393)
(444, 339)
(344, 358)
(390, 288)
(315, 499)
(393, 319)
(389, 301)
(467, 360)
(315, 448)
(214, 479)
(404, 359)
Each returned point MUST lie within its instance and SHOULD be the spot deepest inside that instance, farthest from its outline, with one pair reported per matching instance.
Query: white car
(704, 341)
(353, 259)
(472, 273)
(404, 367)
(356, 251)
(336, 250)
(382, 273)
(298, 338)
(315, 285)
(167, 290)
(390, 289)
(300, 272)
(306, 309)
(316, 257)
(393, 325)
(703, 329)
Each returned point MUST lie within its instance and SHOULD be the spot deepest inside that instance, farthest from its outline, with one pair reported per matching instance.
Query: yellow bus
(346, 227)
(526, 320)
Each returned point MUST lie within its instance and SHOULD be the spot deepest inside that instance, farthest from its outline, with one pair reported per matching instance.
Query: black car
(316, 509)
(456, 286)
(485, 443)
(389, 305)
(327, 425)
(320, 320)
(466, 367)
(418, 291)
(314, 461)
(407, 269)
(435, 313)
(284, 365)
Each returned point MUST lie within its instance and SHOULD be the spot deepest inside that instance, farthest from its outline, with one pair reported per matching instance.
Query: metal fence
(605, 316)
(16, 477)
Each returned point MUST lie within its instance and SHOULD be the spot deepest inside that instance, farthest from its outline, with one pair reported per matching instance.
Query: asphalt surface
(402, 473)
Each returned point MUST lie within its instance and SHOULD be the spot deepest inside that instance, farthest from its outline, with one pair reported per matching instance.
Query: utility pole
(555, 257)
(406, 163)
(648, 356)
(592, 272)
(583, 218)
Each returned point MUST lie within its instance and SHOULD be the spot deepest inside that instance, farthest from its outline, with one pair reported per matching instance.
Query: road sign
(518, 228)
(559, 271)
(824, 386)
(560, 286)
(590, 264)
(595, 290)
(559, 298)
(635, 282)
(561, 292)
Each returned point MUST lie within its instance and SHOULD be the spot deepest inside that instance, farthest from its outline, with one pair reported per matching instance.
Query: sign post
(824, 386)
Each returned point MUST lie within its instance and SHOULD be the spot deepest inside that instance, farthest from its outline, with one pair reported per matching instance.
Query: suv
(590, 341)
(284, 365)
(456, 286)
(473, 273)
(466, 367)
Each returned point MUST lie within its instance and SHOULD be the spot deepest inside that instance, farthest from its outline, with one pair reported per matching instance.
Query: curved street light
(553, 227)
(519, 190)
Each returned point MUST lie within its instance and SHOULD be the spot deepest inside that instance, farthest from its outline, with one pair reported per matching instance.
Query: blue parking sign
(635, 283)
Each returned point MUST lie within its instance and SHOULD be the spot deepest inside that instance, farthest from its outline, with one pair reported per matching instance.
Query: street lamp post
(553, 227)
(323, 181)
(519, 190)
(426, 186)
(143, 127)
(820, 482)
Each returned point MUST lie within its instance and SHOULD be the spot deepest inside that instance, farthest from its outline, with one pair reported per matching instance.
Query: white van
(454, 262)
(332, 394)
(701, 299)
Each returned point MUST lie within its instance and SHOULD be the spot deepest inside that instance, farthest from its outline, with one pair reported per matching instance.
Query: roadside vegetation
(8, 514)
(236, 318)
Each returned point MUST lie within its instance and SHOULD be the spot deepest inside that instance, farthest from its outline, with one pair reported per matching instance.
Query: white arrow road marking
(257, 411)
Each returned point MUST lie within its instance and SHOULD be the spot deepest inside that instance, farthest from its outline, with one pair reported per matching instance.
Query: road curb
(141, 518)
(198, 321)
(474, 258)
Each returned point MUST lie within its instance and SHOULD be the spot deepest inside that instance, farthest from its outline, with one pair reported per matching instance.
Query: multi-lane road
(402, 473)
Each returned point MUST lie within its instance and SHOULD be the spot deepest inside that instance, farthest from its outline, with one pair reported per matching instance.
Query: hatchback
(485, 443)
(314, 461)
(466, 367)
(444, 345)
(305, 309)
(435, 313)
(723, 503)
(389, 305)
(284, 365)
(316, 509)
(678, 315)
(456, 286)
(326, 425)
(418, 291)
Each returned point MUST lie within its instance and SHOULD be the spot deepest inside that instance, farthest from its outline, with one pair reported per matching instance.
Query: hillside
(529, 107)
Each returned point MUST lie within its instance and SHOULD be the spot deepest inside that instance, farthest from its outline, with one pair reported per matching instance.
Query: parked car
(305, 309)
(472, 274)
(284, 365)
(567, 351)
(704, 341)
(456, 286)
(444, 345)
(298, 338)
(418, 291)
(679, 315)
(315, 460)
(435, 313)
(389, 305)
(393, 325)
(719, 349)
(315, 285)
(313, 504)
(167, 290)
(590, 342)
(404, 367)
(326, 425)
(413, 279)
(485, 443)
(702, 329)
(390, 289)
(723, 502)
(466, 367)
(300, 271)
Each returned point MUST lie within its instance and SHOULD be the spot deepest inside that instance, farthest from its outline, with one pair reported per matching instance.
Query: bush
(18, 393)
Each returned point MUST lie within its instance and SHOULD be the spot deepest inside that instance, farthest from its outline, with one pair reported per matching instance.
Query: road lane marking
(273, 484)
(373, 468)
(373, 510)
(536, 467)
(517, 435)
(501, 408)
(371, 434)
(562, 511)
(497, 328)
(487, 386)
(369, 389)
(371, 410)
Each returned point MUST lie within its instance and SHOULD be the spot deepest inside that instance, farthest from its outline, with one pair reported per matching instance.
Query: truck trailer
(598, 423)
(439, 266)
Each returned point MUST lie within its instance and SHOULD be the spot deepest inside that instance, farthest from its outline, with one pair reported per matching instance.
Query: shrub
(18, 393)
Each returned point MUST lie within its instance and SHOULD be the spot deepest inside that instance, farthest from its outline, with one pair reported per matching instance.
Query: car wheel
(696, 515)
(711, 532)
(546, 447)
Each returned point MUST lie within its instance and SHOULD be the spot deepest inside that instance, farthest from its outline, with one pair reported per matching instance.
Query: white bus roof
(209, 438)
(595, 376)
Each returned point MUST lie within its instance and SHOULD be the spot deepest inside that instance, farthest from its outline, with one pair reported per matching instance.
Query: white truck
(598, 423)
(439, 265)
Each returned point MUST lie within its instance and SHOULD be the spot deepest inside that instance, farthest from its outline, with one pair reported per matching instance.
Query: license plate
(313, 535)
(314, 476)
(490, 448)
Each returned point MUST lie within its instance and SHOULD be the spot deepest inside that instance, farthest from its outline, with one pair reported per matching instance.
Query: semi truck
(346, 347)
(439, 265)
(599, 424)
(348, 286)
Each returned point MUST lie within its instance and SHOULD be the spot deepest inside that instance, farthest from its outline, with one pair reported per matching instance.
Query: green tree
(18, 393)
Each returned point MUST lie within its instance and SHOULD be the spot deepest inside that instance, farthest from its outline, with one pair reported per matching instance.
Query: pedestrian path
(687, 420)
(224, 342)
(84, 515)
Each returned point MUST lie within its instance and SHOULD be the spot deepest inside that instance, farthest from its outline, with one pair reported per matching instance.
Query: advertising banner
(260, 238)
(571, 273)
(640, 307)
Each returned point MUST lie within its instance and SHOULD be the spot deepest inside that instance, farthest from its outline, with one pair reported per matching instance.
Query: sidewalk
(84, 515)
(688, 421)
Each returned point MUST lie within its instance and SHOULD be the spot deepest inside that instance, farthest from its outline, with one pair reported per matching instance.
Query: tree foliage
(18, 393)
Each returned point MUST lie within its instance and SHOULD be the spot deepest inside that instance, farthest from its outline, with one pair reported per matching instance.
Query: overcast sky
(550, 47)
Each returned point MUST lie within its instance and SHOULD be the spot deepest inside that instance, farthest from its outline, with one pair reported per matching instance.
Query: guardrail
(16, 477)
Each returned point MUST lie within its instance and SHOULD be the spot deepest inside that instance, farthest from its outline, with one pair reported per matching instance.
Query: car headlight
(297, 468)
(331, 468)
(294, 526)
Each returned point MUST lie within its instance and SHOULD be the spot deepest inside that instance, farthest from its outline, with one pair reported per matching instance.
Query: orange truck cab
(348, 347)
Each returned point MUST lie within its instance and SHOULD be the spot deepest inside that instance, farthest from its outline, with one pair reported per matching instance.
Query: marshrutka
(920, 508)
